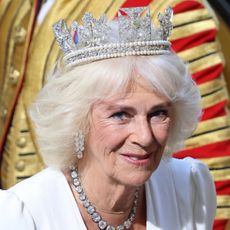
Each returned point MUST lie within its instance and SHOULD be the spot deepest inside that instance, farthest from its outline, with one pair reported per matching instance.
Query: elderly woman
(106, 123)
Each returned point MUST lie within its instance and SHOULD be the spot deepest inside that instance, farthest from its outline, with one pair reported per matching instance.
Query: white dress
(180, 195)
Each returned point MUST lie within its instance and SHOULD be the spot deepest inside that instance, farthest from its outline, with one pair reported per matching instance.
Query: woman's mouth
(139, 160)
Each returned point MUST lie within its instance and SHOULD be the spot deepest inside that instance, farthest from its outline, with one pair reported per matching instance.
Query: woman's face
(127, 135)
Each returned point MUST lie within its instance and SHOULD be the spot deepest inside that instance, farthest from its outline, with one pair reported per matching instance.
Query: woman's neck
(106, 194)
(113, 201)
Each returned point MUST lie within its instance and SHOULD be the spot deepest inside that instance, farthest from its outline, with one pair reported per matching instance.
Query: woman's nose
(143, 133)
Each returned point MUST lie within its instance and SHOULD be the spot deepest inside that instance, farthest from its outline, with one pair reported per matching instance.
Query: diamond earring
(79, 144)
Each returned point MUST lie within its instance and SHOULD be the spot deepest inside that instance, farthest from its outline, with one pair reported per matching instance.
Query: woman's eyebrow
(162, 105)
(121, 106)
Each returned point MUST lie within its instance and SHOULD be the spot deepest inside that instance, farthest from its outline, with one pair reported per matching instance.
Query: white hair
(63, 105)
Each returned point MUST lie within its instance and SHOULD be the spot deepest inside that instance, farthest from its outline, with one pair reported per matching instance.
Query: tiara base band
(116, 50)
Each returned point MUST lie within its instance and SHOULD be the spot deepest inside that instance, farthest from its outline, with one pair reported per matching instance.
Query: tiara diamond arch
(95, 39)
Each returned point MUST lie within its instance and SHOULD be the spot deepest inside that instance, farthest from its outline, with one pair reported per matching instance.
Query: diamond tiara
(96, 40)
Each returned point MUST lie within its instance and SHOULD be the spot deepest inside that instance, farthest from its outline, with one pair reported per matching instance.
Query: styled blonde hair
(63, 105)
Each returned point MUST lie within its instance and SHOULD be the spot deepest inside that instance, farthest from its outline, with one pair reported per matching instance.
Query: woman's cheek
(161, 132)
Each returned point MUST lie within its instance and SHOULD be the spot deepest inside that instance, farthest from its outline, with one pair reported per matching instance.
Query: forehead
(139, 86)
(139, 93)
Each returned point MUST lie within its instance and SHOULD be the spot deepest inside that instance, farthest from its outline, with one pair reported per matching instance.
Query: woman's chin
(136, 179)
(137, 175)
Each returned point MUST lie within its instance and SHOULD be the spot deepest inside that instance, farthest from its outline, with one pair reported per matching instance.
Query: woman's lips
(140, 160)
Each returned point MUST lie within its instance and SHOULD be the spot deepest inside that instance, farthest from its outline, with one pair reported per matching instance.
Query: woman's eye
(159, 116)
(120, 116)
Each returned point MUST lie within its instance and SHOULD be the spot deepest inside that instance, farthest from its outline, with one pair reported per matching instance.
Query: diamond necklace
(91, 210)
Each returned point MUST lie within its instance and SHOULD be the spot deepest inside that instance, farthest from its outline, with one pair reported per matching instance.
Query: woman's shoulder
(41, 188)
(31, 202)
(36, 202)
(188, 186)
(188, 176)
(13, 212)
(183, 169)
(192, 174)
(39, 183)
(188, 163)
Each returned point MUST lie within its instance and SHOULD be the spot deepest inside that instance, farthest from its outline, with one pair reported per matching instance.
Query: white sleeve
(204, 208)
(13, 213)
